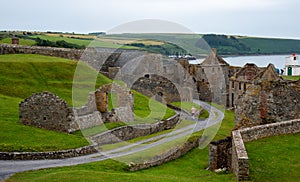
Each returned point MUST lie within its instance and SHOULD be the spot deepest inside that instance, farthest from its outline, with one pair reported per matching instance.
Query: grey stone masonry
(133, 131)
(46, 110)
(62, 154)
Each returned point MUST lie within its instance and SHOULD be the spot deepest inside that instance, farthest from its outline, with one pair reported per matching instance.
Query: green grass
(25, 74)
(189, 167)
(21, 75)
(90, 43)
(25, 42)
(17, 137)
(275, 158)
(149, 111)
(291, 77)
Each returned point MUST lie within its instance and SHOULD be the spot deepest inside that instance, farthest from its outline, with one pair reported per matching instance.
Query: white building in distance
(292, 66)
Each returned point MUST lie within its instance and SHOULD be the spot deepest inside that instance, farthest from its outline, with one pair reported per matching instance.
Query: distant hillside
(226, 44)
(166, 44)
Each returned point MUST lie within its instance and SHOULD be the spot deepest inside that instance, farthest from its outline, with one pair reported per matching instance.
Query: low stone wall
(48, 155)
(239, 164)
(167, 156)
(267, 130)
(73, 54)
(133, 131)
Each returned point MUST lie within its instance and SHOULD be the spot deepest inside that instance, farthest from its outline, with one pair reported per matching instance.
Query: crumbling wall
(220, 154)
(267, 102)
(47, 110)
(158, 87)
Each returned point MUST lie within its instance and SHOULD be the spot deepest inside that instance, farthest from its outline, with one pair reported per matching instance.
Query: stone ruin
(267, 98)
(46, 110)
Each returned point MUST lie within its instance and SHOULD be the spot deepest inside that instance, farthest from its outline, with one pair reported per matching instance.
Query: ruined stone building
(266, 99)
(46, 110)
(210, 78)
(240, 81)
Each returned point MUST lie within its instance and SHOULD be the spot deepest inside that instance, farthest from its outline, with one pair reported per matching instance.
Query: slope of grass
(21, 75)
(17, 137)
(275, 158)
(24, 74)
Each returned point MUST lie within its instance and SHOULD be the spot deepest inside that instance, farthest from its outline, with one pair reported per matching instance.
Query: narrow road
(9, 167)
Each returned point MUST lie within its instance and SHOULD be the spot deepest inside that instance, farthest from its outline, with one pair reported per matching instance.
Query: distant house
(292, 66)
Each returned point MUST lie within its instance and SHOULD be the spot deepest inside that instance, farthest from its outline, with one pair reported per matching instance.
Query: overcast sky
(266, 18)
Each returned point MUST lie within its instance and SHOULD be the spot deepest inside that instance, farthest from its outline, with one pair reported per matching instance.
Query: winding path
(9, 167)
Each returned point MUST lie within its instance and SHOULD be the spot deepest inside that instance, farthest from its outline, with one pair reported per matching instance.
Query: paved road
(9, 167)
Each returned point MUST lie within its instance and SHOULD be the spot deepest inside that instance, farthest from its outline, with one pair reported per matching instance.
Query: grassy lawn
(291, 77)
(190, 167)
(275, 158)
(17, 137)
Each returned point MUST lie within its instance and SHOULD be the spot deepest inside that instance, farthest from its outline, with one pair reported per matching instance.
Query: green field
(168, 43)
(21, 75)
(25, 42)
(275, 158)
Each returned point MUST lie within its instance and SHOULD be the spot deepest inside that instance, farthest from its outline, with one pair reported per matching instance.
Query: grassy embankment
(22, 75)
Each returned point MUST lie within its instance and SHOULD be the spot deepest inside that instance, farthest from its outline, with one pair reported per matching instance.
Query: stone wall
(73, 54)
(239, 163)
(220, 154)
(129, 132)
(167, 156)
(267, 102)
(47, 110)
(158, 87)
(48, 155)
(88, 120)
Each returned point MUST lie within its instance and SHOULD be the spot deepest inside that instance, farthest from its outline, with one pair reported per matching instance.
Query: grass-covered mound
(21, 75)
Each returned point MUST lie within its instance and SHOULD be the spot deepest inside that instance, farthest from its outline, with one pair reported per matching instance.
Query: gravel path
(9, 167)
